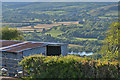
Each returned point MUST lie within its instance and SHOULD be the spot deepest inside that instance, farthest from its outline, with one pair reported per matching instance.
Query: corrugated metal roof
(25, 46)
(19, 46)
(12, 45)
(8, 42)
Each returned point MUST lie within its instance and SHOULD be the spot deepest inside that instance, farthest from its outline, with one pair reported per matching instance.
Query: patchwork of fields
(40, 27)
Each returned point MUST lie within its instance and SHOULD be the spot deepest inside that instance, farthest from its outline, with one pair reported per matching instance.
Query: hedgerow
(38, 66)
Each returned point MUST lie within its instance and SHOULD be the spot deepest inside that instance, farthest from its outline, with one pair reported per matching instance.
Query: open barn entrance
(53, 50)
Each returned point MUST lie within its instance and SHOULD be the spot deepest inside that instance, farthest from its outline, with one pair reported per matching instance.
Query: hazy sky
(59, 0)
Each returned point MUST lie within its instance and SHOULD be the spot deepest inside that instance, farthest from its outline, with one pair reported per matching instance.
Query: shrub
(38, 66)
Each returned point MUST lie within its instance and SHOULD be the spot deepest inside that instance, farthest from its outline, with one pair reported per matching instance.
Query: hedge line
(38, 66)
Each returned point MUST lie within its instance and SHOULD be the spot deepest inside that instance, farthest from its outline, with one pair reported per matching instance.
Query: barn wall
(10, 61)
(11, 55)
(64, 50)
(35, 51)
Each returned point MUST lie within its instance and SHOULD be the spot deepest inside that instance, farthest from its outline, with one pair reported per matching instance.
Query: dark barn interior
(53, 50)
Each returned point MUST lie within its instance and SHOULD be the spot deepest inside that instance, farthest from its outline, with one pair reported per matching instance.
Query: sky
(60, 0)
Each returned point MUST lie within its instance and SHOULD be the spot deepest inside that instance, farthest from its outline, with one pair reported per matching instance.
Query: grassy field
(82, 39)
(54, 32)
(73, 45)
(105, 17)
(113, 13)
(85, 38)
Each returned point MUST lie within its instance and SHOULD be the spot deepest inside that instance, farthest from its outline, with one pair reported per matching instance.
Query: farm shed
(12, 52)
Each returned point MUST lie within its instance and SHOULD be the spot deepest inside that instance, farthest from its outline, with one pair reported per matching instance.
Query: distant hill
(25, 12)
(88, 35)
(110, 10)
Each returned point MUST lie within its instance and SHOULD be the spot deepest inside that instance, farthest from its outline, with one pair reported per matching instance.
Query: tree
(43, 30)
(11, 34)
(110, 48)
(35, 30)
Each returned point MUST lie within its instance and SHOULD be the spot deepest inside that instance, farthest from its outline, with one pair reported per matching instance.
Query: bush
(38, 66)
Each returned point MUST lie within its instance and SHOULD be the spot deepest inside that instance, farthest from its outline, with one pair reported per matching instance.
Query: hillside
(38, 22)
(13, 12)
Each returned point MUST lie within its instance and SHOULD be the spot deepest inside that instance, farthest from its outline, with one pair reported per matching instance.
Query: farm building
(12, 52)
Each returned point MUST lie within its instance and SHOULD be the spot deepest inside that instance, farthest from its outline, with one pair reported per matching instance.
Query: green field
(54, 32)
(73, 45)
(84, 38)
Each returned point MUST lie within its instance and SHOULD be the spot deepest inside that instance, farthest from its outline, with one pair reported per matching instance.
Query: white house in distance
(12, 52)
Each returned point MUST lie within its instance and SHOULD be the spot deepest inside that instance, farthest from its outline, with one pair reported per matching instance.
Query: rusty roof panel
(12, 46)
(23, 47)
(18, 47)
(8, 42)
